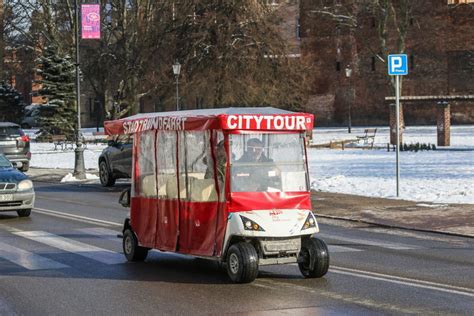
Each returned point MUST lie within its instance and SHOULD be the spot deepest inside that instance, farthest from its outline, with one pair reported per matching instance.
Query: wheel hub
(234, 263)
(103, 173)
(128, 244)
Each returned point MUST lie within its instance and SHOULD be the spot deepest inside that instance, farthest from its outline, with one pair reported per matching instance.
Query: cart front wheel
(242, 262)
(131, 250)
(313, 260)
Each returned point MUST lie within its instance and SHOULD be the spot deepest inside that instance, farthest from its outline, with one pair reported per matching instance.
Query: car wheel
(106, 178)
(242, 262)
(25, 167)
(313, 259)
(131, 249)
(24, 213)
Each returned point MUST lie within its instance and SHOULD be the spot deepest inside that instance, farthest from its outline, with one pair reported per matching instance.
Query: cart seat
(203, 190)
(148, 187)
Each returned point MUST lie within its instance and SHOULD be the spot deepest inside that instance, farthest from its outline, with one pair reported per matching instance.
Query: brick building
(440, 46)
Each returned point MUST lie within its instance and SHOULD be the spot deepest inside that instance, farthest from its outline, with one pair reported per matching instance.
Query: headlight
(25, 185)
(310, 222)
(250, 224)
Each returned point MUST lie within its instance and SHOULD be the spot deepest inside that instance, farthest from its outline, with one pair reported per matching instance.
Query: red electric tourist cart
(225, 184)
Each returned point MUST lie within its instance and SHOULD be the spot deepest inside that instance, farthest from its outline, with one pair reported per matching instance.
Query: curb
(394, 226)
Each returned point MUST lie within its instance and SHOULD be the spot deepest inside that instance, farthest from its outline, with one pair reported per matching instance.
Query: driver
(254, 152)
(260, 176)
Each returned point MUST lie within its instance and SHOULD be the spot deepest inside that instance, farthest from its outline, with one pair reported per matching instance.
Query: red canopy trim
(255, 122)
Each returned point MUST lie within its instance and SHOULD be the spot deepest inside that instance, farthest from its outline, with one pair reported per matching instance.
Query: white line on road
(333, 249)
(368, 242)
(103, 233)
(69, 245)
(76, 217)
(28, 260)
(404, 281)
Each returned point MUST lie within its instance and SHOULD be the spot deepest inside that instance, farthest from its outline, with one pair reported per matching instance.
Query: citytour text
(266, 122)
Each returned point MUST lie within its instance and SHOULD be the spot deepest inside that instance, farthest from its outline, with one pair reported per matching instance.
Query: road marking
(77, 247)
(76, 217)
(334, 248)
(404, 281)
(28, 260)
(368, 242)
(103, 233)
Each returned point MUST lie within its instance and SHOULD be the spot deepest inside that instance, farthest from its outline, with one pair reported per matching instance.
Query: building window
(372, 66)
(338, 66)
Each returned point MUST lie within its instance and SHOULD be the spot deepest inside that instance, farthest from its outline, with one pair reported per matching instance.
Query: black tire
(25, 167)
(24, 213)
(105, 176)
(131, 249)
(242, 262)
(313, 259)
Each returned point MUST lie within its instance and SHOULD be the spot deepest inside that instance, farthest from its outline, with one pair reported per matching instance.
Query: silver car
(16, 190)
(15, 145)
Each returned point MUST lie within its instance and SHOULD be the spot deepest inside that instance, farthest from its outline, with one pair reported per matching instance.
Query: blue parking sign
(397, 65)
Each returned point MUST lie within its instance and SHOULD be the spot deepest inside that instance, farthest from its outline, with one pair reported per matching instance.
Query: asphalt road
(66, 259)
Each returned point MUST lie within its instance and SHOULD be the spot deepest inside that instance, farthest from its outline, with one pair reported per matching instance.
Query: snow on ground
(70, 178)
(445, 175)
(43, 155)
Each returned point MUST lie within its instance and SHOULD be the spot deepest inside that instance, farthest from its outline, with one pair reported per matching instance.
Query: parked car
(15, 145)
(115, 161)
(16, 191)
(34, 113)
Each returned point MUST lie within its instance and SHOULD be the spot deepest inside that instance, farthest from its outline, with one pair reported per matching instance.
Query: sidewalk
(457, 219)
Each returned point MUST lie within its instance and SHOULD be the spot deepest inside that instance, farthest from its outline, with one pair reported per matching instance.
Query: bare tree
(233, 54)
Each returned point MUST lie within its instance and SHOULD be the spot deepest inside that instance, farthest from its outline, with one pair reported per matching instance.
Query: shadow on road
(78, 187)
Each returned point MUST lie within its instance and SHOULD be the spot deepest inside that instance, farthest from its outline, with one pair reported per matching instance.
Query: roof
(233, 118)
(214, 112)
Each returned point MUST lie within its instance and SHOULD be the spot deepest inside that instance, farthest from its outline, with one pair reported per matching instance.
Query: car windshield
(4, 162)
(268, 162)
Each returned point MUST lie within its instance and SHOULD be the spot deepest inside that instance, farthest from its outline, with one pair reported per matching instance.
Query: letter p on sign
(397, 65)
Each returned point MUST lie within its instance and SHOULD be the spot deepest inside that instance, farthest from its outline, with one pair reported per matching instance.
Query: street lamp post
(176, 71)
(79, 169)
(349, 117)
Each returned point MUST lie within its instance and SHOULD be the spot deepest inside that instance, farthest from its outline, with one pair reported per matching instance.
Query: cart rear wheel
(131, 250)
(242, 262)
(313, 260)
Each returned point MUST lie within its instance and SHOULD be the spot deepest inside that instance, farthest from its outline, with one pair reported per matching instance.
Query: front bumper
(17, 201)
(18, 158)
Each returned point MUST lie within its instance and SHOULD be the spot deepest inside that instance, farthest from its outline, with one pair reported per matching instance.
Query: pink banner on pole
(90, 21)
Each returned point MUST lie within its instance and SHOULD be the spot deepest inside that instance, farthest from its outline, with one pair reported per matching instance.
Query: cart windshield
(268, 162)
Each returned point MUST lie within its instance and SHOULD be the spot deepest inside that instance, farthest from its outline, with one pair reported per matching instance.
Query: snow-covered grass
(445, 175)
(43, 155)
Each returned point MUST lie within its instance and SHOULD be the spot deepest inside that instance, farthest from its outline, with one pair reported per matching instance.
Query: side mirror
(111, 143)
(124, 198)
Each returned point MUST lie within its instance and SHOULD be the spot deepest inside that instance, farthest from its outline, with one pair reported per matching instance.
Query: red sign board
(90, 21)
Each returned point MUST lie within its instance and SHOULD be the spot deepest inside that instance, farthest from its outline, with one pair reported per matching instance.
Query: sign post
(397, 66)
